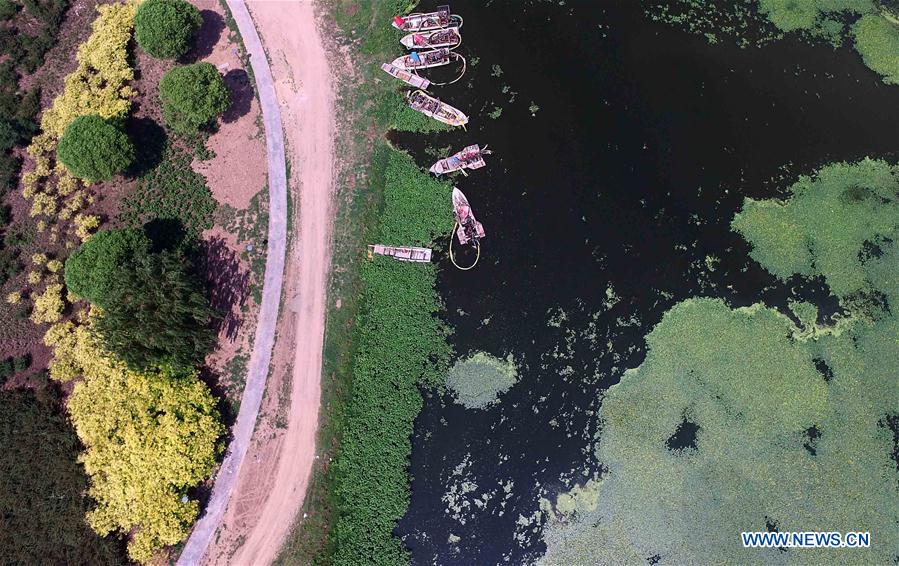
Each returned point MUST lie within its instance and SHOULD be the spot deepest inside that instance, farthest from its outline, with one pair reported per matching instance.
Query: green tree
(92, 269)
(193, 96)
(166, 28)
(93, 149)
(156, 313)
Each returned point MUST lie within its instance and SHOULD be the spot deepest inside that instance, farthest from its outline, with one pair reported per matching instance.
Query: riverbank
(371, 178)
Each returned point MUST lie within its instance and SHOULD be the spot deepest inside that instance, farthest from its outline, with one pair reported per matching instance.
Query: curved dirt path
(263, 342)
(303, 95)
(305, 89)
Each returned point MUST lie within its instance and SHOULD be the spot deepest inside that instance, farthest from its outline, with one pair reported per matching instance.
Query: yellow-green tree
(149, 437)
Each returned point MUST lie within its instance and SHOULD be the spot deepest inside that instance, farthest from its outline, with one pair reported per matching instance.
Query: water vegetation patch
(401, 347)
(787, 428)
(872, 24)
(477, 381)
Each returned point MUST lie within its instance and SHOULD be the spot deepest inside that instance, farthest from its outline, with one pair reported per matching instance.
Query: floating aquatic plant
(789, 432)
(477, 380)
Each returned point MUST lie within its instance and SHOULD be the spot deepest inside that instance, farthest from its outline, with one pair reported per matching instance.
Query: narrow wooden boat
(449, 37)
(440, 111)
(417, 255)
(427, 21)
(424, 60)
(405, 76)
(471, 157)
(469, 229)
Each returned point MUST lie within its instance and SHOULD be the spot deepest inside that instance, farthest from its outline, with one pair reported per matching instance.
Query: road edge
(263, 342)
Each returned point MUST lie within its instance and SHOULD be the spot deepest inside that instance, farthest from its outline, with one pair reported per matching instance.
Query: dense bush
(42, 492)
(402, 345)
(155, 432)
(100, 83)
(8, 9)
(95, 150)
(165, 28)
(193, 96)
(11, 366)
(156, 313)
(91, 271)
(25, 40)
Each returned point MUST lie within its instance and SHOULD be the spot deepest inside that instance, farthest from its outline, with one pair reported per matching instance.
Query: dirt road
(265, 492)
(305, 90)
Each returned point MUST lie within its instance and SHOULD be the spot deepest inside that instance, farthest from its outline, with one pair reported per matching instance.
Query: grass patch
(171, 190)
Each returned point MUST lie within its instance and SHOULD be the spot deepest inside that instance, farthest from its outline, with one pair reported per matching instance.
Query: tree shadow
(241, 89)
(165, 233)
(149, 139)
(228, 285)
(207, 36)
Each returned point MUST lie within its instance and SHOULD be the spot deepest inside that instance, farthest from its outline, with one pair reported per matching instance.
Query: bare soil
(274, 476)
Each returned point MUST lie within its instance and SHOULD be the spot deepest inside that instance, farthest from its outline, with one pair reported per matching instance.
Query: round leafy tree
(192, 96)
(93, 149)
(165, 28)
(91, 271)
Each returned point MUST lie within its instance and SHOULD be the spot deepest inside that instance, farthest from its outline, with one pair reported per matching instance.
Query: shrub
(95, 150)
(155, 433)
(6, 370)
(99, 84)
(48, 306)
(90, 272)
(84, 225)
(14, 297)
(21, 363)
(8, 9)
(193, 96)
(878, 42)
(165, 28)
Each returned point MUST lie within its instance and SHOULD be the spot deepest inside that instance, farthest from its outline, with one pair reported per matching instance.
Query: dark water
(644, 145)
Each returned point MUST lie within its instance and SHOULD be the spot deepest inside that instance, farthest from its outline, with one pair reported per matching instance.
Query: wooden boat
(471, 157)
(449, 37)
(417, 255)
(423, 60)
(427, 21)
(440, 111)
(405, 76)
(469, 229)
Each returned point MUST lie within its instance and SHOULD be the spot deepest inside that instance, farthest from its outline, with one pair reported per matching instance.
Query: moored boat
(449, 37)
(424, 60)
(471, 157)
(427, 21)
(440, 111)
(401, 253)
(407, 77)
(469, 229)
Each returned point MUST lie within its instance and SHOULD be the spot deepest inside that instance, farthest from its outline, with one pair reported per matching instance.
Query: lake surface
(603, 207)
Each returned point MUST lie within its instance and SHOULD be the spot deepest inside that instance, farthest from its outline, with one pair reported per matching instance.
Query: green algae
(827, 224)
(757, 22)
(477, 380)
(754, 392)
(877, 39)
